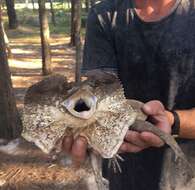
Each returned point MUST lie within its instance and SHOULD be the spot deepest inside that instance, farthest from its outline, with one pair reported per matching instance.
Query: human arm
(187, 122)
(135, 141)
(163, 119)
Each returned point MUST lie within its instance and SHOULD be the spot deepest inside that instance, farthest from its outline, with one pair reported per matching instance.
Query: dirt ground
(28, 168)
(25, 65)
(33, 170)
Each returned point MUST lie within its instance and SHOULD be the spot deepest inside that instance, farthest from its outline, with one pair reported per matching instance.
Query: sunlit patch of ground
(26, 62)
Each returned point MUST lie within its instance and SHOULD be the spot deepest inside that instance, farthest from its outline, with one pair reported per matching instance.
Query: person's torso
(154, 61)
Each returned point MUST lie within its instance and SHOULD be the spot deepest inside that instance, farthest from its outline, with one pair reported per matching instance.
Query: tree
(75, 35)
(10, 125)
(44, 33)
(78, 39)
(86, 5)
(11, 12)
(69, 3)
(33, 4)
(6, 40)
(73, 22)
(52, 13)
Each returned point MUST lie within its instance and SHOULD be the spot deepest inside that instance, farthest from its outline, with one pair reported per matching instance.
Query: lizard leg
(114, 163)
(96, 162)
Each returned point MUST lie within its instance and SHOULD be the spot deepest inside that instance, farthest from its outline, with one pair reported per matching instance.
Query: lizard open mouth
(82, 104)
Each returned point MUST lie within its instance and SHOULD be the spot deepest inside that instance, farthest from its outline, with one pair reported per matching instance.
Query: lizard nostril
(81, 105)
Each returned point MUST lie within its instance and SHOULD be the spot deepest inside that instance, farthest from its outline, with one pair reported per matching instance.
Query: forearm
(187, 122)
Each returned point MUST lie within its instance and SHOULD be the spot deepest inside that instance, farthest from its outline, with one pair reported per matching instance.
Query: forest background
(37, 38)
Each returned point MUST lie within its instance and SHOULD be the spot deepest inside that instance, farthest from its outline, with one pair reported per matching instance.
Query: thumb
(153, 107)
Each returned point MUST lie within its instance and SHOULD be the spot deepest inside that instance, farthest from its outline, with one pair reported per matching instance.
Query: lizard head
(95, 108)
(82, 103)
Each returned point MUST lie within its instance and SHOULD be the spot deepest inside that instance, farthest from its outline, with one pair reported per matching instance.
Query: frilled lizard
(96, 109)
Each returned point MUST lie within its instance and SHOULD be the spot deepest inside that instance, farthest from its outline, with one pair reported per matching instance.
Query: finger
(133, 137)
(153, 107)
(79, 149)
(67, 144)
(151, 139)
(128, 147)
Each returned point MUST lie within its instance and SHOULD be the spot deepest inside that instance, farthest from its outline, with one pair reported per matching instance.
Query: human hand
(135, 141)
(77, 149)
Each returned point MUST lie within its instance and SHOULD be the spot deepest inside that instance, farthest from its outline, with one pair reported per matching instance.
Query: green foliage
(63, 23)
(28, 18)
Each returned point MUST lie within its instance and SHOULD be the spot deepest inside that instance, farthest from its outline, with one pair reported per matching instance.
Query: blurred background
(37, 38)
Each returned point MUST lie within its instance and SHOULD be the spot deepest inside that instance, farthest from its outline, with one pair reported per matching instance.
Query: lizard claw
(114, 163)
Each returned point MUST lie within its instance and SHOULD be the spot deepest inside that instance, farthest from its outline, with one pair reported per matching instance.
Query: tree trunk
(86, 5)
(73, 22)
(10, 125)
(193, 3)
(11, 12)
(78, 40)
(33, 4)
(69, 4)
(52, 13)
(7, 46)
(44, 33)
(3, 5)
